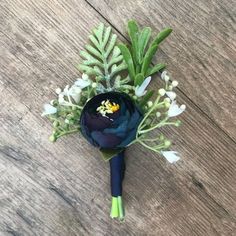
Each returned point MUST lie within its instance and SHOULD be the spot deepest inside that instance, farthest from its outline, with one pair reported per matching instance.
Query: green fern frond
(102, 58)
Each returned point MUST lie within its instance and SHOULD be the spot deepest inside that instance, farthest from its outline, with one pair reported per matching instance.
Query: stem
(162, 123)
(148, 113)
(149, 139)
(68, 132)
(147, 146)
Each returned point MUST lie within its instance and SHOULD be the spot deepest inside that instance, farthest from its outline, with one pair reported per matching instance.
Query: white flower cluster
(170, 102)
(174, 110)
(70, 96)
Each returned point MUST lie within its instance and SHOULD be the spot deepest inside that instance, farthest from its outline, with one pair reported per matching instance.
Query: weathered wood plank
(201, 52)
(29, 209)
(194, 197)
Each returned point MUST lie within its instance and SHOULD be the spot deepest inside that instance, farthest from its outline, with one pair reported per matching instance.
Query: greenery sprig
(140, 54)
(102, 58)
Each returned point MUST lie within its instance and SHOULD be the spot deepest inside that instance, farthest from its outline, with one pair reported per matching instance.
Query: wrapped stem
(117, 171)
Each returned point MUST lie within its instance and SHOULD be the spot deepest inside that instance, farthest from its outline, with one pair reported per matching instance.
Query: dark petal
(130, 136)
(118, 131)
(121, 119)
(114, 115)
(96, 122)
(123, 107)
(105, 140)
(86, 133)
(134, 120)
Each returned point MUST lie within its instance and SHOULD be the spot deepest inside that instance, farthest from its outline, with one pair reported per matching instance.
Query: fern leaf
(102, 58)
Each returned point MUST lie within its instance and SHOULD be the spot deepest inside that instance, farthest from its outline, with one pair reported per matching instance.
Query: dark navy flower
(110, 120)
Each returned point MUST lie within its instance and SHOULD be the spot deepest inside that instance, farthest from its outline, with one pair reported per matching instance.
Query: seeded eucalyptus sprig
(140, 54)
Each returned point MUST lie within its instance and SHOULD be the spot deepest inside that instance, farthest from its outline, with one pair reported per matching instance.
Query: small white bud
(167, 100)
(183, 107)
(67, 121)
(175, 83)
(167, 104)
(52, 138)
(162, 91)
(58, 91)
(170, 87)
(85, 76)
(94, 85)
(166, 78)
(167, 143)
(158, 114)
(149, 103)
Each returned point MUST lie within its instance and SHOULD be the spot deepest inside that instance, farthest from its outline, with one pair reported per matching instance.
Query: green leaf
(110, 46)
(142, 42)
(139, 78)
(89, 70)
(99, 32)
(148, 58)
(106, 36)
(133, 34)
(107, 154)
(93, 51)
(155, 69)
(162, 35)
(128, 59)
(146, 98)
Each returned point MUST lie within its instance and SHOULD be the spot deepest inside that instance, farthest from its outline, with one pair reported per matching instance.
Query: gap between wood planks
(178, 88)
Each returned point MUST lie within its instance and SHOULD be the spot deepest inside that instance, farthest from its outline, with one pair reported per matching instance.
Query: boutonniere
(112, 103)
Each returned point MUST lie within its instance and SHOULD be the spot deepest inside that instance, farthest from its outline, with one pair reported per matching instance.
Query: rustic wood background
(63, 188)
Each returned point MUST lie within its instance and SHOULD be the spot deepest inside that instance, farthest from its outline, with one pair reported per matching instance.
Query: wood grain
(63, 188)
(201, 52)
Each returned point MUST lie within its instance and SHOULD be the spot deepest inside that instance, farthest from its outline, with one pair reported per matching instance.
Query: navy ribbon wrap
(117, 172)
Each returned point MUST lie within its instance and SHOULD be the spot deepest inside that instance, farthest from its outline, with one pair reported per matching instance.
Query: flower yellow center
(107, 107)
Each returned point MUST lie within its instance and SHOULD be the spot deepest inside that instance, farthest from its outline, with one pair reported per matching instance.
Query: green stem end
(117, 209)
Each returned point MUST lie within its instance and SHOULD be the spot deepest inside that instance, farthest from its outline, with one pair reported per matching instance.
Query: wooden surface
(63, 188)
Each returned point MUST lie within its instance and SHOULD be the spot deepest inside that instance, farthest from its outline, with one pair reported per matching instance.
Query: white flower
(175, 110)
(49, 109)
(62, 101)
(72, 92)
(84, 82)
(164, 76)
(65, 91)
(140, 90)
(171, 95)
(75, 93)
(171, 156)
